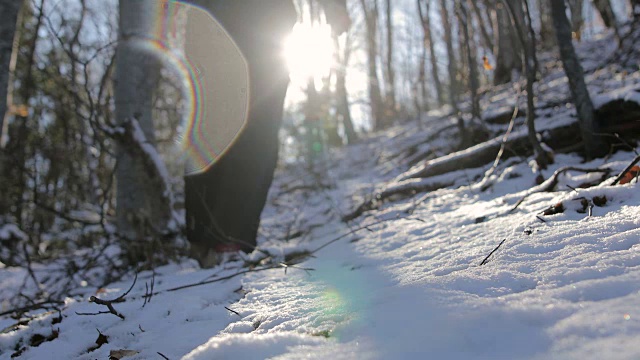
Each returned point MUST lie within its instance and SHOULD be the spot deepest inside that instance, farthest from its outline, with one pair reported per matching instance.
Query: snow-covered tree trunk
(142, 208)
(592, 143)
(9, 10)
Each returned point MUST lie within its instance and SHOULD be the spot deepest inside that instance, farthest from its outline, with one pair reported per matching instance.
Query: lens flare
(214, 76)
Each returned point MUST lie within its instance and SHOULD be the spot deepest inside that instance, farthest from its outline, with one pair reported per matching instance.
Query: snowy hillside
(478, 267)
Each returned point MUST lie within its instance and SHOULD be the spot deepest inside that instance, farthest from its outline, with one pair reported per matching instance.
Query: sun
(309, 52)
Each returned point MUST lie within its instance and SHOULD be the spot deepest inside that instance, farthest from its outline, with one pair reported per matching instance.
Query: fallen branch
(486, 152)
(551, 183)
(36, 306)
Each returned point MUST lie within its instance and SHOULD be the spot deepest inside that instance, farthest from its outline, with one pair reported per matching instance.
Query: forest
(359, 179)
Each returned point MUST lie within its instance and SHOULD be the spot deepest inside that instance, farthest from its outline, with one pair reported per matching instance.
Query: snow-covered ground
(455, 273)
(406, 286)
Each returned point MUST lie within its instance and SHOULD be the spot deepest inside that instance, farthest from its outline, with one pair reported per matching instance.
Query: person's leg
(223, 204)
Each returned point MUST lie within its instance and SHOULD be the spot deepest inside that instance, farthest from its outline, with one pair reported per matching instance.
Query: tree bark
(142, 209)
(425, 19)
(482, 25)
(342, 99)
(577, 20)
(451, 57)
(9, 11)
(375, 97)
(508, 57)
(575, 74)
(547, 36)
(9, 14)
(390, 71)
(527, 39)
(473, 71)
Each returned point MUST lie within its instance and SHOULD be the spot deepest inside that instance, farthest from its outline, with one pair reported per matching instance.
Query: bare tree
(482, 24)
(390, 77)
(9, 13)
(519, 12)
(424, 7)
(371, 16)
(343, 53)
(547, 36)
(593, 145)
(473, 71)
(508, 51)
(451, 57)
(577, 20)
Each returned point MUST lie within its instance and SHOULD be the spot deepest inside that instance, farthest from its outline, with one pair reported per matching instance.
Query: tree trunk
(452, 67)
(527, 38)
(606, 13)
(575, 74)
(18, 141)
(473, 71)
(482, 25)
(577, 20)
(141, 208)
(9, 11)
(342, 99)
(425, 19)
(375, 96)
(508, 55)
(547, 36)
(390, 72)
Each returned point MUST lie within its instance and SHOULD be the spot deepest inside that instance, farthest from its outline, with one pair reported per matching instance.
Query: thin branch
(491, 253)
(109, 303)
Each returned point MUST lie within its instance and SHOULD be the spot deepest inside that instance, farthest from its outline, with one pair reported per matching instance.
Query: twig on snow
(491, 253)
(109, 303)
(233, 311)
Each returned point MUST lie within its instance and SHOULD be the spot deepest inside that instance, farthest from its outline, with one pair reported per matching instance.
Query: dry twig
(109, 303)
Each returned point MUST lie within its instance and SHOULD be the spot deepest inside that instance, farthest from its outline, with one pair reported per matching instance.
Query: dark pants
(223, 204)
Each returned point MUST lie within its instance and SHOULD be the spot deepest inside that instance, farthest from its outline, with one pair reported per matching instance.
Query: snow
(408, 287)
(403, 281)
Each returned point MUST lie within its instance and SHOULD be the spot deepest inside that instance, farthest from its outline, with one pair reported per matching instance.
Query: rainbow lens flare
(215, 77)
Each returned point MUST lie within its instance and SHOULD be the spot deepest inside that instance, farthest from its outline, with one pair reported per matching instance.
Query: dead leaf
(630, 175)
(555, 209)
(486, 64)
